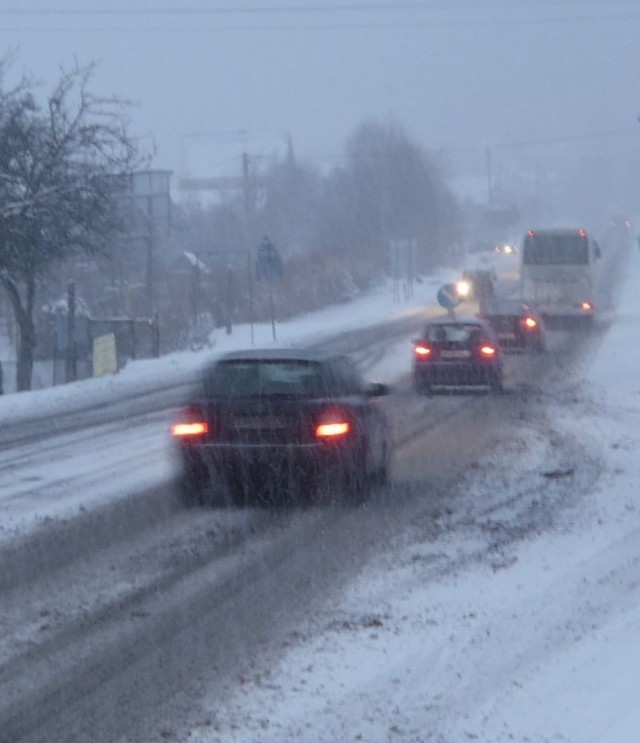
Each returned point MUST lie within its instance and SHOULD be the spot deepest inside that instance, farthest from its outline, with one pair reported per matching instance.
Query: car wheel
(540, 347)
(193, 484)
(240, 490)
(382, 474)
(356, 482)
(496, 386)
(422, 387)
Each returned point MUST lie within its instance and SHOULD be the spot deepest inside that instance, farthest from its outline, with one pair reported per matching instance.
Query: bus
(557, 272)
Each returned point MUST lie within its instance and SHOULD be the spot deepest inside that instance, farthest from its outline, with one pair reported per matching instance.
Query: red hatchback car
(517, 324)
(454, 354)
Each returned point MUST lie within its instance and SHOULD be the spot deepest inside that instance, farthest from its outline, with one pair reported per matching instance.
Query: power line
(410, 25)
(317, 8)
(521, 144)
(543, 13)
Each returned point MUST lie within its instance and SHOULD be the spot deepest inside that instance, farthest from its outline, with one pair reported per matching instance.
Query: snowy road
(120, 607)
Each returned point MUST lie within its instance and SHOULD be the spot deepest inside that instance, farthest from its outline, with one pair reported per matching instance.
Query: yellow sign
(105, 358)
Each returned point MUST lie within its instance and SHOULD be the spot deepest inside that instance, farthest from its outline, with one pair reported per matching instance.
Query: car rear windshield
(504, 308)
(249, 378)
(454, 333)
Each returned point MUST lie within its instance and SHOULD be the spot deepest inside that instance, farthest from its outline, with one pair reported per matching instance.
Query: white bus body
(557, 272)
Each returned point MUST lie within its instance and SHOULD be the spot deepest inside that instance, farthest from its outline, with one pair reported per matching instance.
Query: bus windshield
(556, 249)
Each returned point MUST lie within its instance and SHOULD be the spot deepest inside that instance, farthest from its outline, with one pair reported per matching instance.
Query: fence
(135, 338)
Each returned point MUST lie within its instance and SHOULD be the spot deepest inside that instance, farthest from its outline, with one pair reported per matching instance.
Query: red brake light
(488, 351)
(582, 233)
(586, 306)
(422, 350)
(191, 422)
(530, 233)
(530, 323)
(334, 424)
(331, 430)
(194, 428)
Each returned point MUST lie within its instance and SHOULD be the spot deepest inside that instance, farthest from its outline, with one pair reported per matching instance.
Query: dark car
(282, 425)
(518, 325)
(455, 353)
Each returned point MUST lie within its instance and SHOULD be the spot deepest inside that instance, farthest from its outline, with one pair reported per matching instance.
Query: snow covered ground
(541, 645)
(370, 309)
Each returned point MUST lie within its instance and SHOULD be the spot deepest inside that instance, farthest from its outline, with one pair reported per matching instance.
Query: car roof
(458, 320)
(556, 231)
(480, 272)
(277, 354)
(506, 306)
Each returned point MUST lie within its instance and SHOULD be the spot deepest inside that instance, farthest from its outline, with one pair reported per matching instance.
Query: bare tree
(387, 189)
(64, 164)
(290, 209)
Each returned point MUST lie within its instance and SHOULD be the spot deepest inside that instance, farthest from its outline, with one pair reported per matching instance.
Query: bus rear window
(555, 250)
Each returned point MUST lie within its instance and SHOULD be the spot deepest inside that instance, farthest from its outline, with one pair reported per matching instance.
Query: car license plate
(456, 354)
(259, 423)
(506, 336)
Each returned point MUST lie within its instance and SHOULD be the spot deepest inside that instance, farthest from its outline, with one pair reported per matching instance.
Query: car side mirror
(377, 389)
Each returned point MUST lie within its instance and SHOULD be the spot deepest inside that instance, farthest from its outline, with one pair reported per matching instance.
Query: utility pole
(149, 270)
(250, 280)
(248, 220)
(71, 366)
(245, 185)
(489, 178)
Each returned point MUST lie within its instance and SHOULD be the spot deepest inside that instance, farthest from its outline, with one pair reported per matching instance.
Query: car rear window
(504, 308)
(454, 333)
(249, 378)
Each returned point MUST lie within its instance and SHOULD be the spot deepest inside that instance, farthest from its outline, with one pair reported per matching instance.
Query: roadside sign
(268, 262)
(448, 296)
(105, 357)
(269, 268)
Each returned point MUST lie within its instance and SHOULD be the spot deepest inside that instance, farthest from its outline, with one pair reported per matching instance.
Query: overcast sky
(461, 75)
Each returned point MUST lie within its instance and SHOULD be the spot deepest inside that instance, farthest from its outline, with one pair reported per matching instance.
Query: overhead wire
(299, 9)
(543, 11)
(356, 26)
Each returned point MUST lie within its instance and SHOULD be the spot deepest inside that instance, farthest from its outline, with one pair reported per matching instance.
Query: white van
(557, 272)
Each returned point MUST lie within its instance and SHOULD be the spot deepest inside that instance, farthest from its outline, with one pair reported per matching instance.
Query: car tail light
(488, 352)
(191, 423)
(586, 307)
(530, 323)
(422, 351)
(333, 425)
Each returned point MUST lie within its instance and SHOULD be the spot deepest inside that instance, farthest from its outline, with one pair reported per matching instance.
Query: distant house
(188, 264)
